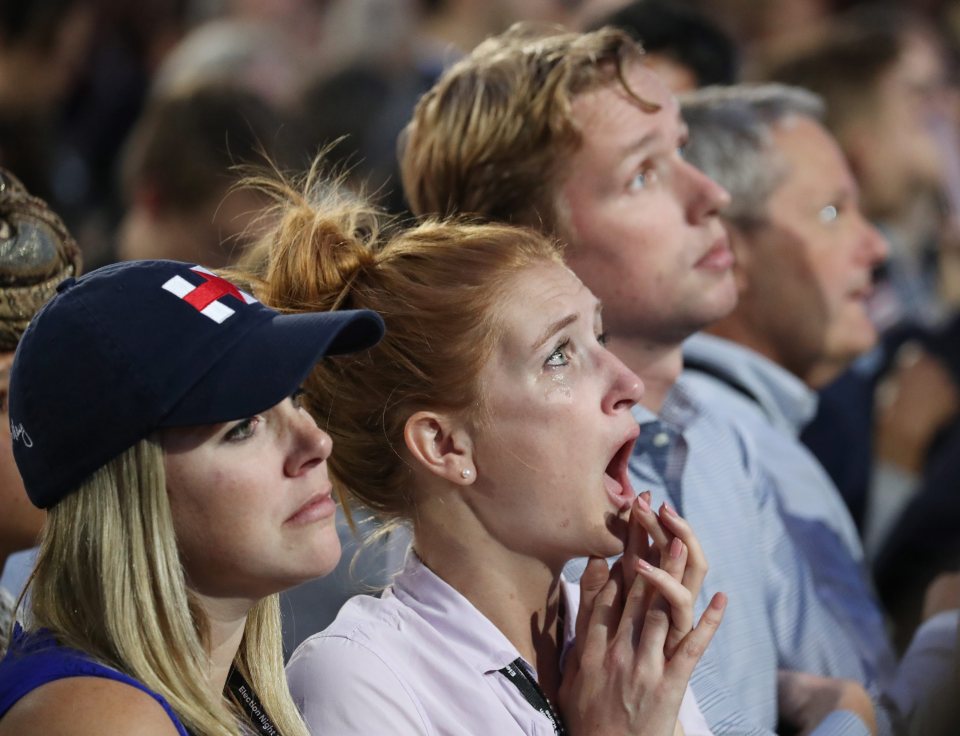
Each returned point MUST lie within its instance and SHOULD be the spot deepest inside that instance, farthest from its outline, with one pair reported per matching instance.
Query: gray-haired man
(804, 261)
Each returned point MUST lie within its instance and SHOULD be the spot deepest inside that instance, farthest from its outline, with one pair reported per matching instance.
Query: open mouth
(616, 478)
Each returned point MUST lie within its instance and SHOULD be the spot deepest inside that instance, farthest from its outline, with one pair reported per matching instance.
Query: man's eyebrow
(554, 328)
(639, 144)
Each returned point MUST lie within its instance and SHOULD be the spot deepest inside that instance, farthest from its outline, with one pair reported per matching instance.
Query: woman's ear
(442, 445)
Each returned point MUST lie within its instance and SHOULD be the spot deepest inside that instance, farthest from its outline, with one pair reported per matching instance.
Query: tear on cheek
(558, 389)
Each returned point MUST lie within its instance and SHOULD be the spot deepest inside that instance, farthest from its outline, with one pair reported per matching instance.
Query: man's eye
(828, 214)
(641, 180)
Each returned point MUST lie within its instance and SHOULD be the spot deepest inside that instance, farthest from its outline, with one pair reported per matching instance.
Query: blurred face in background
(900, 154)
(806, 271)
(43, 70)
(213, 234)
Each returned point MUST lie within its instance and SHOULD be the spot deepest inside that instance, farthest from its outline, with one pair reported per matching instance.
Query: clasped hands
(636, 643)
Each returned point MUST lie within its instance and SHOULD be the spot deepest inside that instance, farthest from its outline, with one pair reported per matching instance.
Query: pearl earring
(466, 473)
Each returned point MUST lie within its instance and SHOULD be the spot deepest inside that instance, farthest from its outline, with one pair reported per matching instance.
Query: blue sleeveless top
(36, 658)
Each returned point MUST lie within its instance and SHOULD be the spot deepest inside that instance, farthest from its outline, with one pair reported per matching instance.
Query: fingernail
(645, 495)
(718, 601)
(668, 509)
(643, 503)
(644, 565)
(676, 548)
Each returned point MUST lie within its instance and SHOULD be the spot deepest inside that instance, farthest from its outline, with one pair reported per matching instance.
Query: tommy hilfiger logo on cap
(205, 298)
(19, 434)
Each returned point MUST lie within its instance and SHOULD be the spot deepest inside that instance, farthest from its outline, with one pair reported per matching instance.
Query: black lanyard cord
(516, 673)
(249, 703)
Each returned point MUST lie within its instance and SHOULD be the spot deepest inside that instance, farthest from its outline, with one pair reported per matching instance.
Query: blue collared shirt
(771, 406)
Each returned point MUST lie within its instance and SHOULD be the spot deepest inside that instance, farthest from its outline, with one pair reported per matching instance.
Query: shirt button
(661, 439)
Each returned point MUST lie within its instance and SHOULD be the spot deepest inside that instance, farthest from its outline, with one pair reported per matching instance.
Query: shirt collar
(680, 409)
(469, 631)
(786, 400)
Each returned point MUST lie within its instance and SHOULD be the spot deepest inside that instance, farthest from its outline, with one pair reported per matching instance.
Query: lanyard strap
(516, 673)
(248, 701)
(692, 364)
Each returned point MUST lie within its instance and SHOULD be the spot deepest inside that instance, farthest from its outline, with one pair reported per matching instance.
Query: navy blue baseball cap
(136, 346)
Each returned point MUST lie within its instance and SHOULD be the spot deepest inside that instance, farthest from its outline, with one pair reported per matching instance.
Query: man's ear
(442, 445)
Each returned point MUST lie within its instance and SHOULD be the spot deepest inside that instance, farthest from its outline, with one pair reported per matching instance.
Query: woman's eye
(828, 214)
(243, 429)
(558, 358)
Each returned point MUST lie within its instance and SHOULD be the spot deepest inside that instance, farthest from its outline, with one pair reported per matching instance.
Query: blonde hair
(109, 582)
(492, 135)
(437, 286)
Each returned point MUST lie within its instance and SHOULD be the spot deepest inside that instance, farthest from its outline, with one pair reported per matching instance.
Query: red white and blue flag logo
(205, 298)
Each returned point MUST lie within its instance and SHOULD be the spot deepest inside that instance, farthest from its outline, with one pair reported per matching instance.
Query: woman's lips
(621, 497)
(320, 506)
(616, 478)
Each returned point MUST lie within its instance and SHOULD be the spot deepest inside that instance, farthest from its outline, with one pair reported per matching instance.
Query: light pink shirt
(421, 660)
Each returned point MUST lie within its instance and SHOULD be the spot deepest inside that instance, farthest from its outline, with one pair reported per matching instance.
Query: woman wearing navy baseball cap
(154, 413)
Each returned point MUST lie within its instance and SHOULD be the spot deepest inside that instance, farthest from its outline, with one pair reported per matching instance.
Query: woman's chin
(605, 546)
(618, 527)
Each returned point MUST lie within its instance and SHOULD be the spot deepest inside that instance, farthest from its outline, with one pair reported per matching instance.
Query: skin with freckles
(559, 386)
(543, 491)
(548, 484)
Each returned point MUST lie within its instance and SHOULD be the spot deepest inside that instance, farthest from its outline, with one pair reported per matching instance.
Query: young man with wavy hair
(570, 133)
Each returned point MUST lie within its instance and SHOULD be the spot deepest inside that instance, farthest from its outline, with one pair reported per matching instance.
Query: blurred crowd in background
(135, 119)
(128, 116)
